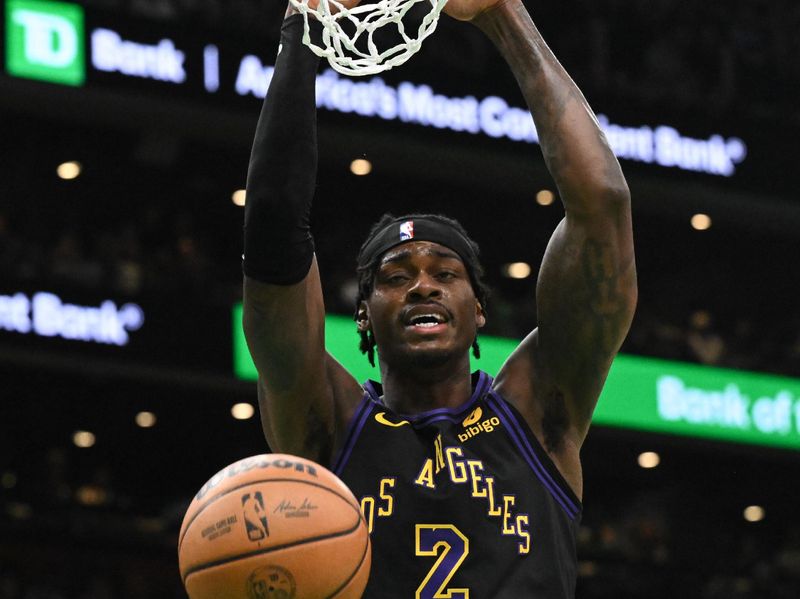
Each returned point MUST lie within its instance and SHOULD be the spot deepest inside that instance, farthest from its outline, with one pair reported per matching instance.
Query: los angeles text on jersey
(471, 473)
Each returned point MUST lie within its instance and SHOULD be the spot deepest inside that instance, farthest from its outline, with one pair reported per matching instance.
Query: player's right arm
(304, 394)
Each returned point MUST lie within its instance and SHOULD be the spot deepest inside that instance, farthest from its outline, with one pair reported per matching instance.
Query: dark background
(150, 220)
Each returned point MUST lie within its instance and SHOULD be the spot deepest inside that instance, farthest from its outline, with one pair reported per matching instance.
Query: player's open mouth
(426, 321)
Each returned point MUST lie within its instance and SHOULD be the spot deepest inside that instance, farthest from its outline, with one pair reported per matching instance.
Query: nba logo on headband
(407, 230)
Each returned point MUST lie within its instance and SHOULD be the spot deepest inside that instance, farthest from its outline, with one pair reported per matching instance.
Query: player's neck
(420, 390)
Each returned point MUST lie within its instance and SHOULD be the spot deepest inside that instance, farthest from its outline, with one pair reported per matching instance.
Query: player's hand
(313, 4)
(467, 10)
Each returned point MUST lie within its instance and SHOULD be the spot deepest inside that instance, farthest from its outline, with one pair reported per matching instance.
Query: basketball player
(471, 487)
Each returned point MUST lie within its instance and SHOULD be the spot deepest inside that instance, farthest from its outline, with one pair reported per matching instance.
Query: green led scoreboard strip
(701, 401)
(641, 393)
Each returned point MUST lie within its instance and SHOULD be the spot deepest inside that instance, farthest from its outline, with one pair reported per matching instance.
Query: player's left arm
(586, 291)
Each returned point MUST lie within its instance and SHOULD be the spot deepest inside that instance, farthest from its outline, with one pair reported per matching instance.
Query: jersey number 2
(451, 547)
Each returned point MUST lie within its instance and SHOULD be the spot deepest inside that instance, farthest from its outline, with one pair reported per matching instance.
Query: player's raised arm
(284, 313)
(586, 291)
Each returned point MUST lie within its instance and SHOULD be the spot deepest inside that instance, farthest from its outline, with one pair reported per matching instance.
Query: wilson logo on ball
(255, 463)
(255, 517)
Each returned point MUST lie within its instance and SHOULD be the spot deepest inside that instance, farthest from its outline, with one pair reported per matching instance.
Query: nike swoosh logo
(379, 417)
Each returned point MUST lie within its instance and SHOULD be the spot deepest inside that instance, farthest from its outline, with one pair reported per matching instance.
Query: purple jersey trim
(372, 391)
(518, 436)
(353, 431)
(372, 398)
(452, 414)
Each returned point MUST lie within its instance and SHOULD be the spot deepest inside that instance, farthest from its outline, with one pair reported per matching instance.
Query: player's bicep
(586, 295)
(285, 330)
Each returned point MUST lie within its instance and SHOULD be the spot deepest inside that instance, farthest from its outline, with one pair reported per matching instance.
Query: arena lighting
(545, 197)
(587, 569)
(754, 513)
(69, 170)
(361, 167)
(150, 525)
(8, 480)
(91, 495)
(239, 197)
(649, 459)
(19, 511)
(83, 439)
(701, 222)
(243, 411)
(146, 419)
(517, 270)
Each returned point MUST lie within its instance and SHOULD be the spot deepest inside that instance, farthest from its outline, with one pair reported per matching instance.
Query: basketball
(274, 526)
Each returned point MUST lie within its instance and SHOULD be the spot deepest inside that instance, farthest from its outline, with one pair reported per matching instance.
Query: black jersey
(461, 503)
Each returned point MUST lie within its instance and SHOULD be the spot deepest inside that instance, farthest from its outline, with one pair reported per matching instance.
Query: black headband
(406, 229)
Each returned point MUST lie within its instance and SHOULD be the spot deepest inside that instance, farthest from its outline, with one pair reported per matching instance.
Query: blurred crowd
(163, 252)
(645, 551)
(650, 552)
(721, 58)
(157, 254)
(614, 575)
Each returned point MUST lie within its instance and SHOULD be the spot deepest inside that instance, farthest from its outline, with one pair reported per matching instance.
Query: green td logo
(45, 41)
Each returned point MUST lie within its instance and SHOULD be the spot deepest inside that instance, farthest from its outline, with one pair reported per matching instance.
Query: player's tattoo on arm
(555, 420)
(574, 147)
(550, 122)
(606, 303)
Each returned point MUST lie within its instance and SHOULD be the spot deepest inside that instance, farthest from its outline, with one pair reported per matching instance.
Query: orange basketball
(274, 526)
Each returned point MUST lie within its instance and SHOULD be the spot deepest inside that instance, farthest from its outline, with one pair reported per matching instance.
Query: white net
(356, 52)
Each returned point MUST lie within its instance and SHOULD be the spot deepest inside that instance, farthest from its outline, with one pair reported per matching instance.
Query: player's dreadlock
(367, 270)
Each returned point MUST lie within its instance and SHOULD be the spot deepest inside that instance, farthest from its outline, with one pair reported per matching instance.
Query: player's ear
(363, 317)
(480, 316)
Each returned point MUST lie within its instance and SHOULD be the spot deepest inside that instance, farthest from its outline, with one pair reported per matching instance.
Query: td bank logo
(45, 41)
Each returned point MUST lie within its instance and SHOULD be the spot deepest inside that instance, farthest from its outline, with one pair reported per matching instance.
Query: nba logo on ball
(255, 518)
(407, 230)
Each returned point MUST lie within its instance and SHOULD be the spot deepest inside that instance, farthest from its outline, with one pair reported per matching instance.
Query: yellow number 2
(451, 547)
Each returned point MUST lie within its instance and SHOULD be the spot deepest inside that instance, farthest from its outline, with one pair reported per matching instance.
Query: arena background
(120, 275)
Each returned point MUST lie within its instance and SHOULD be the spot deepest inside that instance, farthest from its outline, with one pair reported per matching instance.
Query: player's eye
(394, 278)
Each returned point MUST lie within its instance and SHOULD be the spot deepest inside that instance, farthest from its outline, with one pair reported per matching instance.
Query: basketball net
(340, 47)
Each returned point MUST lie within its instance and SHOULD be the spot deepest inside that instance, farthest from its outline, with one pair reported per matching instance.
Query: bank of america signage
(46, 41)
